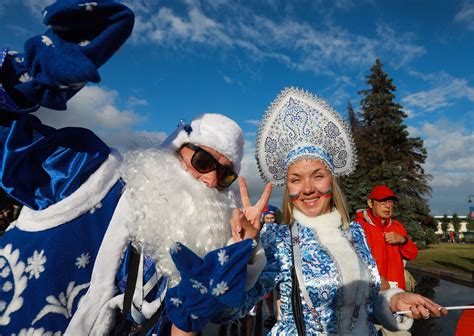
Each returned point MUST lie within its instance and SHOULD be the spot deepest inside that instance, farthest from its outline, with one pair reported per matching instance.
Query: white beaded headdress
(298, 124)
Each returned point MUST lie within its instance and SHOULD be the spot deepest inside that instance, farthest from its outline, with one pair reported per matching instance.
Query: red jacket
(389, 258)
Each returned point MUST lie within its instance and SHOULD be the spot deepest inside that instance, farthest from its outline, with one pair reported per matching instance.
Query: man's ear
(369, 203)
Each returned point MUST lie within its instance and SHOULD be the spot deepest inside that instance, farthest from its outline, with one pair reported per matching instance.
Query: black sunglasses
(204, 163)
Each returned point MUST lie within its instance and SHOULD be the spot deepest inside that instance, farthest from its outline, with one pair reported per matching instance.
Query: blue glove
(57, 64)
(207, 285)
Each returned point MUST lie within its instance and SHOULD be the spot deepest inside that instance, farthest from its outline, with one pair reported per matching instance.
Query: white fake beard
(169, 205)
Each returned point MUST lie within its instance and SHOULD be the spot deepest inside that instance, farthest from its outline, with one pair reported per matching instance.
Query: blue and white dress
(340, 275)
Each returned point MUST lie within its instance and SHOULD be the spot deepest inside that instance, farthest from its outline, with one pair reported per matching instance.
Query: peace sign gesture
(245, 223)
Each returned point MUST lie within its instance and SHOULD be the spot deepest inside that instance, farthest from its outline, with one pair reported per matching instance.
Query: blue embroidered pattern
(312, 151)
(321, 275)
(294, 125)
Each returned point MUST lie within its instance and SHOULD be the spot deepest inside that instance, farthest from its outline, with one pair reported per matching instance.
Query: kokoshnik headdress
(298, 124)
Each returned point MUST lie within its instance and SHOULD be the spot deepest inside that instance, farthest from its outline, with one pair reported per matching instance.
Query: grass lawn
(455, 257)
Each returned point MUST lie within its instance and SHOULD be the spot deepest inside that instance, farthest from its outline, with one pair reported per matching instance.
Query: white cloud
(96, 108)
(323, 49)
(134, 101)
(36, 6)
(446, 90)
(450, 161)
(465, 15)
(401, 44)
(254, 122)
(93, 107)
(450, 153)
(255, 183)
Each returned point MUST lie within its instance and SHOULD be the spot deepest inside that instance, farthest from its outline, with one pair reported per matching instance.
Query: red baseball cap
(382, 192)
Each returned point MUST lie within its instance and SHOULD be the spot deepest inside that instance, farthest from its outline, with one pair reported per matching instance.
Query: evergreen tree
(445, 225)
(456, 223)
(387, 155)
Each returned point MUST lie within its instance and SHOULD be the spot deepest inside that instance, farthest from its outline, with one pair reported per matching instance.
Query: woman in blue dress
(327, 276)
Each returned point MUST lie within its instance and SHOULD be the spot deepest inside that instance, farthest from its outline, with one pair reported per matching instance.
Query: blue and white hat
(298, 124)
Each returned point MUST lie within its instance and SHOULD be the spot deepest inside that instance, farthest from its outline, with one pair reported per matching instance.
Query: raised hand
(246, 222)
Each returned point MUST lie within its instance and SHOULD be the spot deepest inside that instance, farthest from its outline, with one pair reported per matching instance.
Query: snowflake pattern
(89, 6)
(7, 286)
(3, 305)
(194, 317)
(83, 260)
(222, 257)
(25, 78)
(220, 288)
(35, 264)
(176, 301)
(46, 41)
(63, 303)
(2, 263)
(5, 272)
(199, 286)
(38, 332)
(84, 43)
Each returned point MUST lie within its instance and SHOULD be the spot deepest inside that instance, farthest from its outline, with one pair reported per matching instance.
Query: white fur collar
(326, 222)
(85, 198)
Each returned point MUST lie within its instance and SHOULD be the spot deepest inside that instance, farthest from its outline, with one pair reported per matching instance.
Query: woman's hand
(245, 223)
(420, 306)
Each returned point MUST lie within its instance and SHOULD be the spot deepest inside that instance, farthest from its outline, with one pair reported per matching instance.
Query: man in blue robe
(90, 251)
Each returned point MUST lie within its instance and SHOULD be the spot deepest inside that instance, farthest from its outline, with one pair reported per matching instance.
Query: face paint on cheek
(326, 194)
(293, 196)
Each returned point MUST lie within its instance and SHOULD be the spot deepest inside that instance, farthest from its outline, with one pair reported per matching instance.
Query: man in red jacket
(387, 238)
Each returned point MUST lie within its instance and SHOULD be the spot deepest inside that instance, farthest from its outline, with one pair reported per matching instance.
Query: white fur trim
(102, 287)
(212, 130)
(384, 315)
(255, 267)
(106, 318)
(88, 195)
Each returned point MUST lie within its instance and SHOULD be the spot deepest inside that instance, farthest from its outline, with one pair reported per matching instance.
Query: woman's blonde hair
(338, 202)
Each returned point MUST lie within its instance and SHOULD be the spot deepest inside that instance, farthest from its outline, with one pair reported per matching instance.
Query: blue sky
(233, 57)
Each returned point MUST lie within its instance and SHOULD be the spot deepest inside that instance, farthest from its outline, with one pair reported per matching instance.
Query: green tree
(470, 224)
(388, 155)
(445, 224)
(456, 223)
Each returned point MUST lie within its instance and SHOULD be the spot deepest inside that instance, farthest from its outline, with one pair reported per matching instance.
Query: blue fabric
(162, 327)
(311, 151)
(209, 285)
(321, 275)
(58, 63)
(42, 285)
(40, 165)
(148, 270)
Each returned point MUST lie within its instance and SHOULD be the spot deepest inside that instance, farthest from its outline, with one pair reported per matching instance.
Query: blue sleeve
(273, 241)
(40, 165)
(57, 64)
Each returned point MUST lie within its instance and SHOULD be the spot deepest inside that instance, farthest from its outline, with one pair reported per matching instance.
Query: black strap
(125, 325)
(296, 304)
(150, 323)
